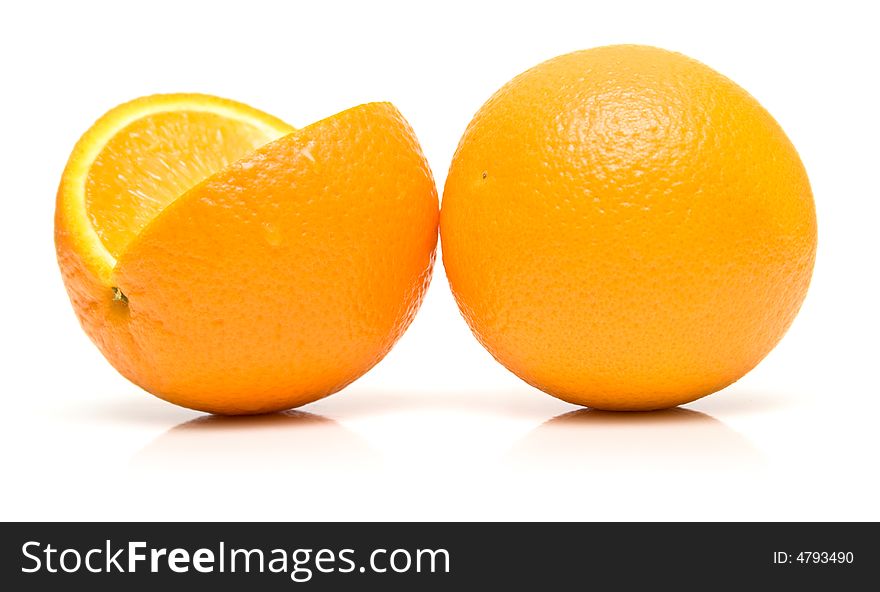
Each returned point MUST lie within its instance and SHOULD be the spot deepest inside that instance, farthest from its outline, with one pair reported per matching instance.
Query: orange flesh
(155, 160)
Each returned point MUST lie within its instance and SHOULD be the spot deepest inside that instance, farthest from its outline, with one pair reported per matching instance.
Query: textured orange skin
(278, 280)
(627, 229)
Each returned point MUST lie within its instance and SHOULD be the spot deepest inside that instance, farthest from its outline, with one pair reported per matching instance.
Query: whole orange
(226, 262)
(625, 228)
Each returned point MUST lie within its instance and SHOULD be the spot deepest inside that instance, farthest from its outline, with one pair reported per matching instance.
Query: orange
(226, 262)
(627, 229)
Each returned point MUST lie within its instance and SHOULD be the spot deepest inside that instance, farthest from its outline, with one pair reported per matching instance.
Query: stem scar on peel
(118, 296)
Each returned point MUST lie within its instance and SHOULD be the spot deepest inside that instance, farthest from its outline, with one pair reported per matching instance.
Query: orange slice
(143, 155)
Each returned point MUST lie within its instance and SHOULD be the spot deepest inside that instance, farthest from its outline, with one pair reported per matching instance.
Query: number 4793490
(824, 557)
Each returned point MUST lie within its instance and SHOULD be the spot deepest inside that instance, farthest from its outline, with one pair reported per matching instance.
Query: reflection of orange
(225, 262)
(675, 439)
(278, 443)
(625, 228)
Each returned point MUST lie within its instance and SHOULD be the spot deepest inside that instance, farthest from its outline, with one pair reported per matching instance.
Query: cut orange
(226, 262)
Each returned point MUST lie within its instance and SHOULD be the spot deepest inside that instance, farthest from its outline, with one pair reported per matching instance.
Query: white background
(438, 430)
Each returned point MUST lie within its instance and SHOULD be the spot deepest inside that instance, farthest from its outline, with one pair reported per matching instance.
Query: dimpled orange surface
(627, 229)
(225, 262)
